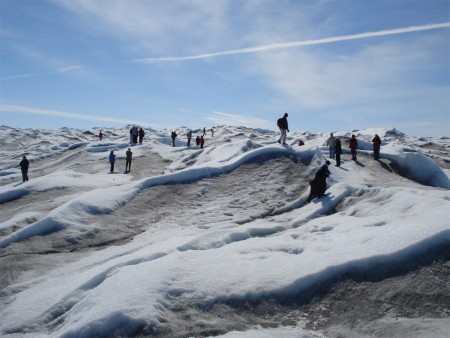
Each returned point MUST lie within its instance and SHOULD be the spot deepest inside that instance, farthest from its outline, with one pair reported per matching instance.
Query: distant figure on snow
(100, 135)
(212, 132)
(319, 183)
(135, 133)
(112, 160)
(376, 147)
(129, 155)
(353, 146)
(24, 164)
(189, 137)
(173, 136)
(141, 135)
(331, 143)
(338, 152)
(282, 123)
(204, 131)
(197, 140)
(201, 141)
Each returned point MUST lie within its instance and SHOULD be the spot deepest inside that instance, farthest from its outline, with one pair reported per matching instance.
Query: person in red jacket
(353, 147)
(202, 141)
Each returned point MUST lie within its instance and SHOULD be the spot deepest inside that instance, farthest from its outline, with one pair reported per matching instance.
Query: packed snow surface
(116, 253)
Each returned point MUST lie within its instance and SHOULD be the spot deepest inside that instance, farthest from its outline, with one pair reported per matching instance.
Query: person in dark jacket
(319, 183)
(376, 147)
(100, 135)
(129, 155)
(141, 135)
(24, 164)
(353, 146)
(112, 160)
(282, 123)
(338, 149)
(173, 136)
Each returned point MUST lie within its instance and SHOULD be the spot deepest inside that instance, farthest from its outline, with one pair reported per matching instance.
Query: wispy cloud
(220, 118)
(59, 71)
(6, 108)
(264, 48)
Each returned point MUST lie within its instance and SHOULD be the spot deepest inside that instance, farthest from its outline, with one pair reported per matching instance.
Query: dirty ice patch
(99, 201)
(19, 219)
(59, 180)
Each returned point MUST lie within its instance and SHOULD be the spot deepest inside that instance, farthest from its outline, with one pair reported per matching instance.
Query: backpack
(279, 123)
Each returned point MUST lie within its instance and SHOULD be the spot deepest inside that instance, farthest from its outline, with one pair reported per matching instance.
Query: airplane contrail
(297, 43)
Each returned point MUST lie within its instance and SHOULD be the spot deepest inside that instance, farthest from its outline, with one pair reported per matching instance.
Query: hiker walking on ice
(331, 143)
(24, 164)
(376, 147)
(100, 135)
(189, 137)
(112, 160)
(129, 155)
(173, 136)
(338, 152)
(282, 123)
(141, 135)
(353, 146)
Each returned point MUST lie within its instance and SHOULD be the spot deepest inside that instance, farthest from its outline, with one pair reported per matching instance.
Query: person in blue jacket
(112, 160)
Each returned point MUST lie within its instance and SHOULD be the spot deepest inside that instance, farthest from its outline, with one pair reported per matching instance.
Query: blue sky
(330, 64)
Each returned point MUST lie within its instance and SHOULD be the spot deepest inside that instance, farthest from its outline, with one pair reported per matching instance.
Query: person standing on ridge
(331, 143)
(282, 123)
(129, 155)
(141, 135)
(100, 135)
(353, 146)
(338, 152)
(189, 137)
(376, 147)
(173, 136)
(24, 164)
(112, 160)
(202, 141)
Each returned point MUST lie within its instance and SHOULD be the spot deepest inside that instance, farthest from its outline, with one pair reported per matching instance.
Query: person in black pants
(24, 164)
(338, 152)
(129, 154)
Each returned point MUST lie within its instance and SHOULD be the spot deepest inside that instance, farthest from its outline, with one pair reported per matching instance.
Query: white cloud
(62, 70)
(220, 118)
(375, 73)
(153, 25)
(6, 108)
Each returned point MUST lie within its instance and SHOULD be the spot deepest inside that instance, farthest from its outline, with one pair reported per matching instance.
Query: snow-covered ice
(88, 253)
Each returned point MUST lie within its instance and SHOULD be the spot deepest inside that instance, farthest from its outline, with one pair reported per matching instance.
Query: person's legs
(332, 152)
(283, 136)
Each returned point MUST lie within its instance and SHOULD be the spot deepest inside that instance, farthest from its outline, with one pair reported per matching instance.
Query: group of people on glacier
(318, 184)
